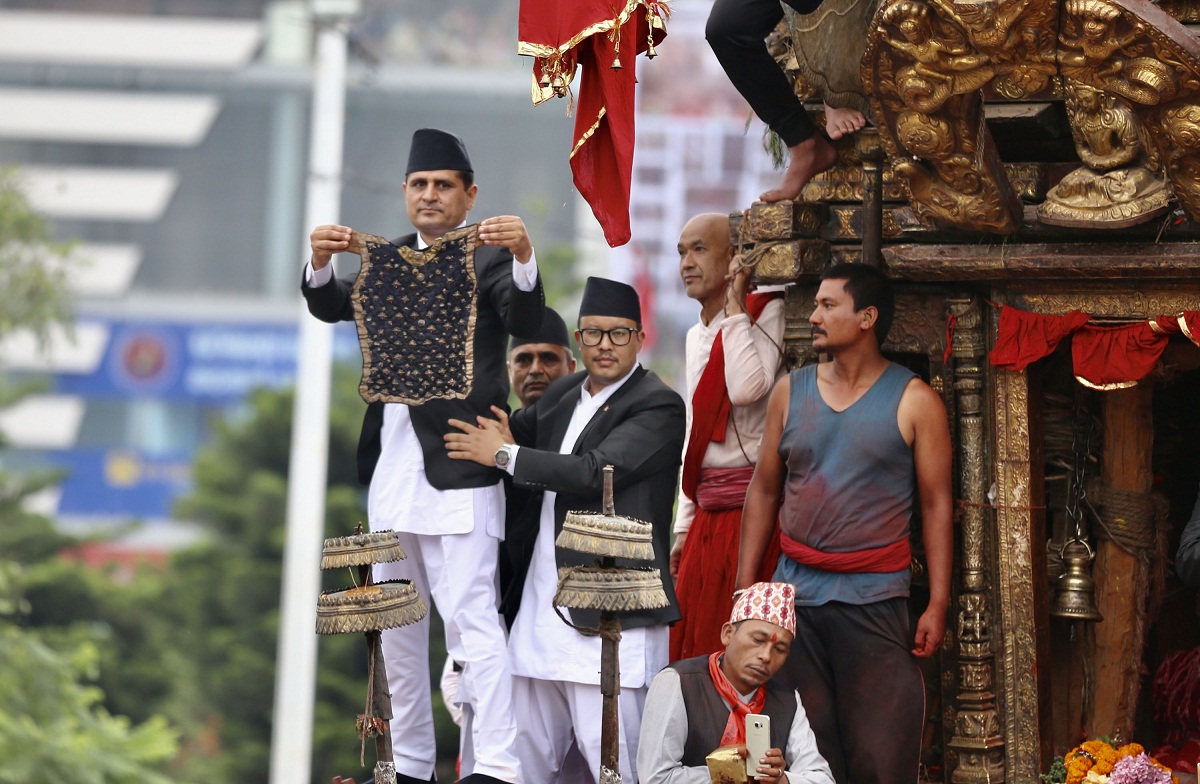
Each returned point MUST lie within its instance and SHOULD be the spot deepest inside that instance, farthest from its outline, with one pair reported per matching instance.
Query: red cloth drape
(889, 558)
(1104, 357)
(1177, 697)
(595, 34)
(1115, 357)
(1027, 337)
(707, 575)
(710, 401)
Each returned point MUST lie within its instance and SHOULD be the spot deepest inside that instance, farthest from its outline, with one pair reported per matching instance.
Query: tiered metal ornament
(370, 607)
(611, 589)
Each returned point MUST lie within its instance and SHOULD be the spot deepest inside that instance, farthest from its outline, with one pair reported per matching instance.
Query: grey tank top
(850, 484)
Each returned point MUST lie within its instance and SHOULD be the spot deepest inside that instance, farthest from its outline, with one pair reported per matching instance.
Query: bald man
(734, 355)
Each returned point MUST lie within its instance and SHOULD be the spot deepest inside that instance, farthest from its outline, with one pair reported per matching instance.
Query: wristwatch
(503, 456)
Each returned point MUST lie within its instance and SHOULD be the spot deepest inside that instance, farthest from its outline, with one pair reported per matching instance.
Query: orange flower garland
(1099, 757)
(1090, 755)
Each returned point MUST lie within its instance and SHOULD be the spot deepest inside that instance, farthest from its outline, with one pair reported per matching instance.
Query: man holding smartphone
(697, 705)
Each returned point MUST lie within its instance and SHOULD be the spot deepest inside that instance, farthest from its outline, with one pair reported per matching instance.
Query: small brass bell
(1075, 590)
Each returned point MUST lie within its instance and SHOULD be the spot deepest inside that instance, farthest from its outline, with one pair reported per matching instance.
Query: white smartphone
(758, 740)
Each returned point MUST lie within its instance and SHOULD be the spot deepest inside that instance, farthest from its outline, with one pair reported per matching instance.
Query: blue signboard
(121, 483)
(219, 363)
(185, 372)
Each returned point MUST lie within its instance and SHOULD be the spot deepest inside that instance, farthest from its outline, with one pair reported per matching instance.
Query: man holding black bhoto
(448, 514)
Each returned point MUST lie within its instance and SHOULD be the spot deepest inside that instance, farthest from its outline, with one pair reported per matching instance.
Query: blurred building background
(170, 139)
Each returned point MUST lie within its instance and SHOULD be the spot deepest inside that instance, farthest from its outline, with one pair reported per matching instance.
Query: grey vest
(707, 713)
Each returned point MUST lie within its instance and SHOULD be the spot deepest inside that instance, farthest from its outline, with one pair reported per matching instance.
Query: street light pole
(295, 679)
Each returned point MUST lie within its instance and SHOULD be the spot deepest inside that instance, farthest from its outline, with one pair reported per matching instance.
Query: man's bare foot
(840, 122)
(809, 158)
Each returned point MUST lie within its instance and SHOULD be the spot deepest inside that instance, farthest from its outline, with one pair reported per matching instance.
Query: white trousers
(459, 572)
(553, 713)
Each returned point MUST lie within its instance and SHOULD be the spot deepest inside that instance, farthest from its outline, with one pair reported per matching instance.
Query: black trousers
(736, 31)
(861, 688)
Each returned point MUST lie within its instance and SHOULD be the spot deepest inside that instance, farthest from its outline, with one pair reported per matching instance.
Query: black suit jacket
(502, 309)
(640, 432)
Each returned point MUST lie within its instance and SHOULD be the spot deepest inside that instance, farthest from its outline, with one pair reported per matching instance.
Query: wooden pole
(381, 697)
(1122, 584)
(610, 688)
(872, 243)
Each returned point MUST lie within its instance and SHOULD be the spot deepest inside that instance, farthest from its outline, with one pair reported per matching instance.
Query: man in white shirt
(700, 704)
(734, 354)
(449, 516)
(613, 413)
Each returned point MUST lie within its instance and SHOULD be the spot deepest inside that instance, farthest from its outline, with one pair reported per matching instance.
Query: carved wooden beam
(1007, 261)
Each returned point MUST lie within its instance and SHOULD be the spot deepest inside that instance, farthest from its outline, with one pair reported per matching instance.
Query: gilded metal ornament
(925, 64)
(1134, 50)
(1120, 183)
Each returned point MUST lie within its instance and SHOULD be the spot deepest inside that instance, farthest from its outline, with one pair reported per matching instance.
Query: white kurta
(541, 645)
(558, 669)
(665, 732)
(753, 361)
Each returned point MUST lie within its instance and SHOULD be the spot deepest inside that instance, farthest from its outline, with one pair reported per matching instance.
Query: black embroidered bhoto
(415, 311)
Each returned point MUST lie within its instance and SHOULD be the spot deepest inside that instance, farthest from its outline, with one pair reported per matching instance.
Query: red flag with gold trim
(602, 38)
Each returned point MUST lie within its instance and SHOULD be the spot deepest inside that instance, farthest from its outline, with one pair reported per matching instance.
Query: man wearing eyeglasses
(614, 413)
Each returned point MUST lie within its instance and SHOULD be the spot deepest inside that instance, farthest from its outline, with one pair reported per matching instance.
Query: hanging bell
(1075, 590)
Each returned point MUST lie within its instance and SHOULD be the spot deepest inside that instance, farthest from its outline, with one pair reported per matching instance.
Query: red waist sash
(889, 558)
(723, 488)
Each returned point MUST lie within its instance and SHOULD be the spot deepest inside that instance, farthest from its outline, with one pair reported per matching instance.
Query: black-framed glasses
(619, 336)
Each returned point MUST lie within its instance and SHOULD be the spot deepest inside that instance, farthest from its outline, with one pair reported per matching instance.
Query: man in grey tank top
(850, 447)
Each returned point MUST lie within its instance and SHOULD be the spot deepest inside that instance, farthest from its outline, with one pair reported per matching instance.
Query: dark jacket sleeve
(521, 311)
(523, 425)
(1187, 561)
(330, 303)
(647, 441)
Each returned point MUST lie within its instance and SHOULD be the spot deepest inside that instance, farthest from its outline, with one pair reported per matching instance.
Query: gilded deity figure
(1091, 42)
(1121, 183)
(941, 67)
(1019, 48)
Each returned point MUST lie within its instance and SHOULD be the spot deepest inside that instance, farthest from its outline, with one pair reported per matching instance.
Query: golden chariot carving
(1128, 72)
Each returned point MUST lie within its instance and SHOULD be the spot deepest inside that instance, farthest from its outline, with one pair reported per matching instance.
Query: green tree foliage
(54, 726)
(32, 267)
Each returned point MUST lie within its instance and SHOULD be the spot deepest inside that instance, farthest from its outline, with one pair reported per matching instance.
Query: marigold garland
(1092, 761)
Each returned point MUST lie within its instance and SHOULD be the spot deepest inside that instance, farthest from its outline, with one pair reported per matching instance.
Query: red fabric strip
(735, 728)
(723, 488)
(1027, 337)
(889, 558)
(1114, 357)
(710, 401)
